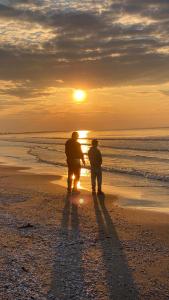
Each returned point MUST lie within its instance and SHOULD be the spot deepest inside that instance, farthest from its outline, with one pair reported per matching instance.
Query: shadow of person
(68, 277)
(120, 283)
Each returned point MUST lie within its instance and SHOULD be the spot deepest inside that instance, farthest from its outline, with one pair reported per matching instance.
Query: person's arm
(100, 158)
(89, 155)
(66, 149)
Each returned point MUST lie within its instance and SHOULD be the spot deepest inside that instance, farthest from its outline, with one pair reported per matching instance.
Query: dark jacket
(95, 157)
(73, 151)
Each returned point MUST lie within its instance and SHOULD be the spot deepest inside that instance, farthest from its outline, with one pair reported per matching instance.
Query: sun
(79, 95)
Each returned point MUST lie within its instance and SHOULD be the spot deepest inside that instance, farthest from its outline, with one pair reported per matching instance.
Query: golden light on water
(79, 95)
(85, 172)
(83, 134)
(78, 185)
(83, 140)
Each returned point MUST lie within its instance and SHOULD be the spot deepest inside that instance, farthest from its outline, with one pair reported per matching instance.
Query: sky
(117, 51)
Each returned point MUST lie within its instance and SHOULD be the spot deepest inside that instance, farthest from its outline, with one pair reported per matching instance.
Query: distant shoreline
(99, 130)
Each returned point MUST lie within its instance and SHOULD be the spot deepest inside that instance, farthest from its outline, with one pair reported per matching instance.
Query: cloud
(83, 44)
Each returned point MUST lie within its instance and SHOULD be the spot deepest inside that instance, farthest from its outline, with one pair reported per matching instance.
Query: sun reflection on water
(83, 134)
(84, 172)
(78, 185)
(83, 140)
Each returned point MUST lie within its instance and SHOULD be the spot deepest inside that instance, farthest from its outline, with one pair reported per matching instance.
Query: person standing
(74, 156)
(95, 158)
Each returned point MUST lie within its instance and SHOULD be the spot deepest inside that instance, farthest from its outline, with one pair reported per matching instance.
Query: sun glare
(83, 134)
(79, 95)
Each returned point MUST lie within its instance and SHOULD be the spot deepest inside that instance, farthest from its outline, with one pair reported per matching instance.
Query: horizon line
(50, 131)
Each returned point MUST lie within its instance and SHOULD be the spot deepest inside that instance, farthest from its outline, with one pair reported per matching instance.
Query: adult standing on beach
(74, 156)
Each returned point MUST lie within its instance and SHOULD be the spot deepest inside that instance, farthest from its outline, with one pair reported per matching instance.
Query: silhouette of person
(74, 156)
(95, 158)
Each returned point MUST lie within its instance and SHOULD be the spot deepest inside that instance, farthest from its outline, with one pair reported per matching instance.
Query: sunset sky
(117, 51)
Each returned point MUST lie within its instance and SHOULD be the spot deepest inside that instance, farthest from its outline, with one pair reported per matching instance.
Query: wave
(137, 157)
(135, 172)
(50, 162)
(108, 147)
(160, 139)
(134, 148)
(143, 147)
(32, 142)
(112, 147)
(109, 155)
(12, 156)
(48, 149)
(132, 172)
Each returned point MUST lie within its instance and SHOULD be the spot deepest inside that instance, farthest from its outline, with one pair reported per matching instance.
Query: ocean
(135, 162)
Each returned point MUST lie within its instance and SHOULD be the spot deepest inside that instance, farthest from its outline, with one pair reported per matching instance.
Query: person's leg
(99, 179)
(93, 179)
(77, 177)
(69, 179)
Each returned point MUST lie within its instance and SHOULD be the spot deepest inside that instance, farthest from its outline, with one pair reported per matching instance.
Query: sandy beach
(54, 247)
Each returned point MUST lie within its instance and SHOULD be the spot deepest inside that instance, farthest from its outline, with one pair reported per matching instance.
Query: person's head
(94, 143)
(75, 135)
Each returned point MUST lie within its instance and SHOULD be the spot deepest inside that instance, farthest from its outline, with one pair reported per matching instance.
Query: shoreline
(127, 196)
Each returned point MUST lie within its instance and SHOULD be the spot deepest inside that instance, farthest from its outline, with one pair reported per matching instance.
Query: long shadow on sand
(120, 283)
(68, 277)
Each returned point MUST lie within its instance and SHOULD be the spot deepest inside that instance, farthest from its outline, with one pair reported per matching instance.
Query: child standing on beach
(95, 158)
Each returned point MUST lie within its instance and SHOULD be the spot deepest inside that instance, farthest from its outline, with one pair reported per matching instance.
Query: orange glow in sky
(73, 75)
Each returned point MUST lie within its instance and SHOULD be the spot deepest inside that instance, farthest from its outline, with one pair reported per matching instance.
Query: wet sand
(55, 247)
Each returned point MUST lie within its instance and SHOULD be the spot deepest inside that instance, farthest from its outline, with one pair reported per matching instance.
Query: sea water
(135, 162)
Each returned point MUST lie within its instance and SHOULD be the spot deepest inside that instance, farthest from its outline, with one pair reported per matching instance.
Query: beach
(54, 247)
(84, 97)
